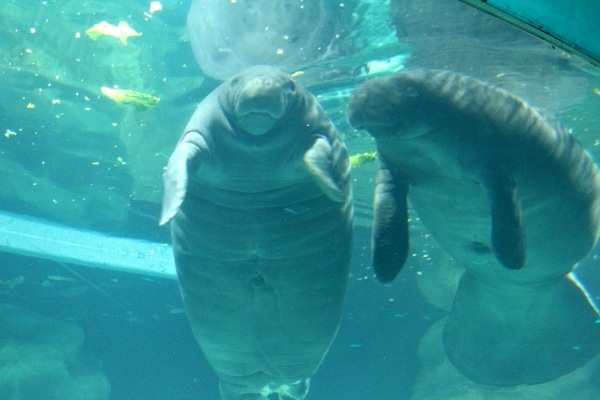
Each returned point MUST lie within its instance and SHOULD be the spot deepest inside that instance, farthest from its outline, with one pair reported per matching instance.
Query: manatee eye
(412, 92)
(291, 86)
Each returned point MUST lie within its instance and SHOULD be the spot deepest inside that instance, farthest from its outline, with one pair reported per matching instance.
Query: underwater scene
(295, 199)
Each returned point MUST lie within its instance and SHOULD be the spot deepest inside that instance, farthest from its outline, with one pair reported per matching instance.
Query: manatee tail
(296, 391)
(508, 334)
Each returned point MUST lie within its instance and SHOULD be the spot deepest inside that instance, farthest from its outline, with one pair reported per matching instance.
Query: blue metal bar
(31, 237)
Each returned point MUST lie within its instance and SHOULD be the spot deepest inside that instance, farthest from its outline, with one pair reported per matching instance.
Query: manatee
(229, 36)
(440, 380)
(510, 195)
(258, 192)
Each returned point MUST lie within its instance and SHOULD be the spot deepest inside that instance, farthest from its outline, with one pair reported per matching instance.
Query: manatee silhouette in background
(510, 195)
(40, 358)
(230, 36)
(466, 40)
(258, 190)
(439, 379)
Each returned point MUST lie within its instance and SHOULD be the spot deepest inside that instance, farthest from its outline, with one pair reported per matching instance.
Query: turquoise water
(73, 156)
(136, 328)
(575, 24)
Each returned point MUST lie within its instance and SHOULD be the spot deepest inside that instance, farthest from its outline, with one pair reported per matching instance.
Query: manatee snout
(358, 108)
(264, 95)
(386, 107)
(262, 101)
(367, 110)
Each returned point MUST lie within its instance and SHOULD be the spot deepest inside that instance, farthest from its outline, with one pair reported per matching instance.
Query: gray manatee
(259, 193)
(510, 195)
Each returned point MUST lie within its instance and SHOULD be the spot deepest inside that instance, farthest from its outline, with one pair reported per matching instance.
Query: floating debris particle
(155, 6)
(141, 101)
(60, 278)
(358, 160)
(31, 106)
(10, 133)
(596, 91)
(297, 209)
(122, 31)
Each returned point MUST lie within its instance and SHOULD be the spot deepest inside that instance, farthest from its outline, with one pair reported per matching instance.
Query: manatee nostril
(359, 96)
(257, 281)
(480, 248)
(261, 81)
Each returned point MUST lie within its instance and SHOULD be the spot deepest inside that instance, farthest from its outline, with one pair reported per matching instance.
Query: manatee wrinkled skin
(509, 194)
(259, 193)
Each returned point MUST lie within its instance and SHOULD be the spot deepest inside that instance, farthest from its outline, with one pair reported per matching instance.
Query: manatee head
(391, 106)
(260, 97)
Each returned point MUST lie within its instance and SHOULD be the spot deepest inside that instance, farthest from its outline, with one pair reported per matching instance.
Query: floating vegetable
(121, 31)
(141, 101)
(358, 160)
(155, 6)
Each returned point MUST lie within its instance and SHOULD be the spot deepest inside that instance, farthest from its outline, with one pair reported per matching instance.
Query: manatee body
(510, 195)
(258, 190)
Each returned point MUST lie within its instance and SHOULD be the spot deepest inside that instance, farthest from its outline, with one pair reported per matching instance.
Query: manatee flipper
(508, 234)
(175, 178)
(319, 161)
(389, 239)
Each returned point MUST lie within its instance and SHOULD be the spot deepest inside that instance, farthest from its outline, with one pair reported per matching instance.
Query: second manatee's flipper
(175, 178)
(389, 239)
(508, 234)
(329, 167)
